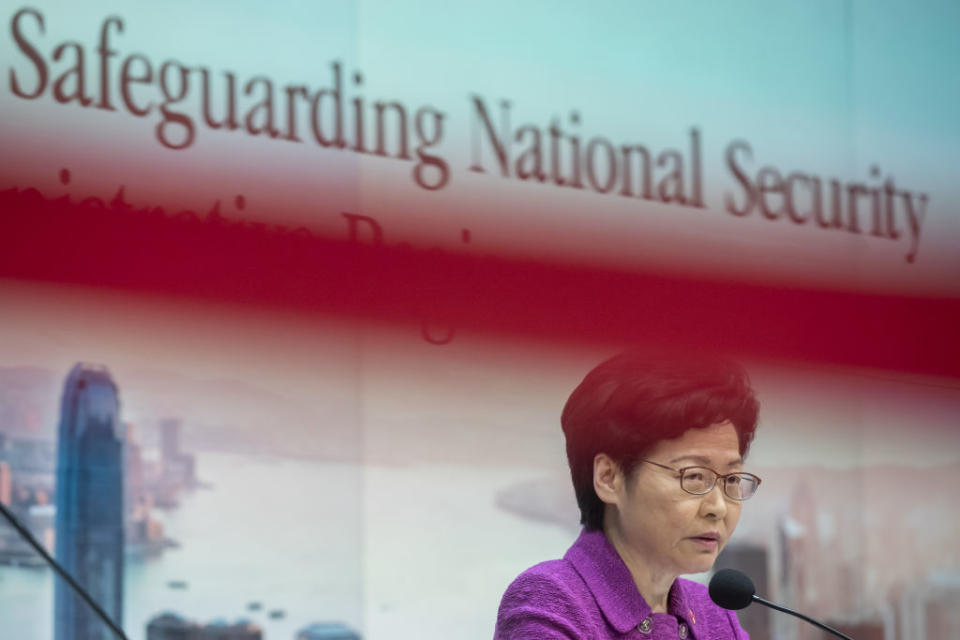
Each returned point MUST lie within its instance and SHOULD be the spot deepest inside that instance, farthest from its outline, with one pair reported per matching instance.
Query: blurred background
(293, 294)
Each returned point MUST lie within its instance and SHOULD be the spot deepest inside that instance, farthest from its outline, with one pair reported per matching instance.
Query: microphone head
(731, 589)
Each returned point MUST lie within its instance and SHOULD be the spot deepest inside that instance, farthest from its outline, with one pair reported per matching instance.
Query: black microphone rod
(815, 623)
(63, 572)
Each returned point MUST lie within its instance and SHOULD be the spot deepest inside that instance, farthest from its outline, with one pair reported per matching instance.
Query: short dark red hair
(628, 403)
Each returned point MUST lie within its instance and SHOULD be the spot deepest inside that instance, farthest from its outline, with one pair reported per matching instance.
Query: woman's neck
(652, 582)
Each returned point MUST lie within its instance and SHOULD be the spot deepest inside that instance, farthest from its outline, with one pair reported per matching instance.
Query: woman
(656, 450)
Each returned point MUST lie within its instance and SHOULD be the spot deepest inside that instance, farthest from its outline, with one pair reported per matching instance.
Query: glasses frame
(716, 477)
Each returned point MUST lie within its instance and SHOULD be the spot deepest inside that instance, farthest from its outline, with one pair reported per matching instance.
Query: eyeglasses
(701, 480)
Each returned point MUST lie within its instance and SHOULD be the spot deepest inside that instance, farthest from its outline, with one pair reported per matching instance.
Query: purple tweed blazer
(590, 595)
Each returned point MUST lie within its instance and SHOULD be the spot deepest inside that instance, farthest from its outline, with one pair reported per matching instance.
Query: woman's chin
(699, 565)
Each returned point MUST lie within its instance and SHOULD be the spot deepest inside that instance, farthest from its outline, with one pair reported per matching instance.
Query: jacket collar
(612, 586)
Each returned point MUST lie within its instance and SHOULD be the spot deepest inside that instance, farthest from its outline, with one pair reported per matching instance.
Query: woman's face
(667, 528)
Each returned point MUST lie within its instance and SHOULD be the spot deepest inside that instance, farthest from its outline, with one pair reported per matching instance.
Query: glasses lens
(697, 480)
(740, 486)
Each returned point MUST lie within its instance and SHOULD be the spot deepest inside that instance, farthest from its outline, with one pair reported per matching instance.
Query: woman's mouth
(710, 541)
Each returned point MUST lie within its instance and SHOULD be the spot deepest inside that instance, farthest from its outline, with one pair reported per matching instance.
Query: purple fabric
(590, 595)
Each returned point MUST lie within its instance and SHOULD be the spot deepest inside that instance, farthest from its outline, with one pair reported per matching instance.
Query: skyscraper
(169, 439)
(179, 469)
(89, 521)
(6, 483)
(133, 475)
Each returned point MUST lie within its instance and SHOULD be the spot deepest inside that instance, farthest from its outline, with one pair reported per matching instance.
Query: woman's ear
(607, 478)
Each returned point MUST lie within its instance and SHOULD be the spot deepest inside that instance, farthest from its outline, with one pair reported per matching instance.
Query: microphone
(732, 589)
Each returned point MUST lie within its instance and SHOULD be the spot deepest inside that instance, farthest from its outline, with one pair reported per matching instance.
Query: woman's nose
(714, 502)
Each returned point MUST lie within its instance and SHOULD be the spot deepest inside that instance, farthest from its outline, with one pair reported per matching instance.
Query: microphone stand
(63, 572)
(778, 607)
